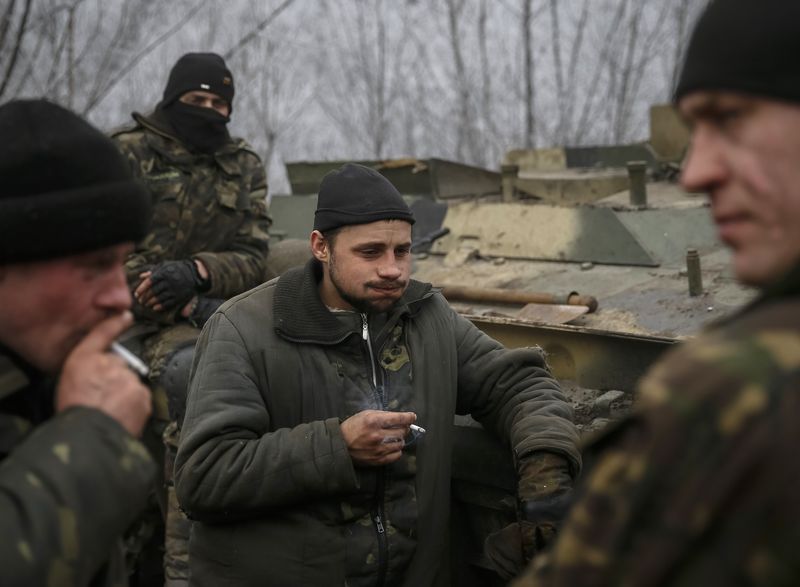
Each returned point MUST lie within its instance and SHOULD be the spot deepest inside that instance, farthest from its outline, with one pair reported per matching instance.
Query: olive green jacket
(263, 466)
(699, 485)
(208, 207)
(70, 485)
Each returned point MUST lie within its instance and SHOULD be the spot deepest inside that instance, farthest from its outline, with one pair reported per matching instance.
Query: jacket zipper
(368, 342)
(378, 517)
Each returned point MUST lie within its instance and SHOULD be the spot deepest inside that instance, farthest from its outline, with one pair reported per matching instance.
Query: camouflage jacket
(699, 485)
(208, 207)
(70, 485)
(262, 463)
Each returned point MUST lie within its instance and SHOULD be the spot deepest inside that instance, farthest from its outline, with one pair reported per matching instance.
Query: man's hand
(375, 437)
(200, 309)
(93, 377)
(171, 284)
(544, 495)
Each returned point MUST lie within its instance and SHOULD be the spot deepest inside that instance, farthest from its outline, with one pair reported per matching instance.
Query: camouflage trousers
(178, 526)
(171, 536)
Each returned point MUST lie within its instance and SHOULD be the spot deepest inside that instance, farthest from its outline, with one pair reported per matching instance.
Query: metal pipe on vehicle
(508, 177)
(638, 185)
(694, 273)
(515, 296)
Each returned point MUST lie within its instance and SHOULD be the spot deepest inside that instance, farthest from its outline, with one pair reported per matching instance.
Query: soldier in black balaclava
(207, 243)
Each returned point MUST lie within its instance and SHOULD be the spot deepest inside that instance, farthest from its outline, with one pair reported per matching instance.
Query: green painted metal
(569, 187)
(542, 232)
(611, 156)
(292, 217)
(432, 178)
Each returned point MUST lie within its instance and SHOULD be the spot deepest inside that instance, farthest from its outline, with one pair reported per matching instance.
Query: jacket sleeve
(243, 265)
(230, 463)
(132, 147)
(511, 392)
(67, 492)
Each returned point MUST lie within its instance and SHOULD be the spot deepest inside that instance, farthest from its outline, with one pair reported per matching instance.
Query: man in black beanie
(208, 239)
(698, 486)
(302, 459)
(73, 475)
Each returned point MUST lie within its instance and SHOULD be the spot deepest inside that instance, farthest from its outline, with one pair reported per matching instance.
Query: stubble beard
(361, 305)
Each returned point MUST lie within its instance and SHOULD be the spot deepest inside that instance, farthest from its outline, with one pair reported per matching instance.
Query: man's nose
(114, 294)
(390, 268)
(703, 167)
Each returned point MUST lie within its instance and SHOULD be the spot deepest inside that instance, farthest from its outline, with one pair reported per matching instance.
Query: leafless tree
(334, 79)
(11, 41)
(528, 70)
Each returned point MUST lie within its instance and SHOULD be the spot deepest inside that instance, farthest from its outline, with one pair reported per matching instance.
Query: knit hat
(204, 72)
(354, 194)
(64, 186)
(745, 46)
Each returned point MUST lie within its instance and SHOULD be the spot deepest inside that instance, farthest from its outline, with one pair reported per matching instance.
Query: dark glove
(503, 549)
(545, 491)
(174, 283)
(512, 548)
(539, 519)
(202, 310)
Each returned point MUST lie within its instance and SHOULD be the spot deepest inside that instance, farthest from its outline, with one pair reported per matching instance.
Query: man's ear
(320, 247)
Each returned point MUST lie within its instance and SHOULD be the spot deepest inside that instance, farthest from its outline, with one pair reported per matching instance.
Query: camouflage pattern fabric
(163, 434)
(699, 485)
(176, 542)
(69, 486)
(209, 207)
(157, 351)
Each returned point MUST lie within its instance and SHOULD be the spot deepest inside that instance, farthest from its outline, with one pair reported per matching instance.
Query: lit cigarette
(418, 429)
(132, 360)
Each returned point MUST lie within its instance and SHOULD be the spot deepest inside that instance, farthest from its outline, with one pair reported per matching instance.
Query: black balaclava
(201, 129)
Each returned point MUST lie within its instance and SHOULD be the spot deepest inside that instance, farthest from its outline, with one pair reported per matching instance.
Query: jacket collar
(167, 143)
(786, 287)
(300, 315)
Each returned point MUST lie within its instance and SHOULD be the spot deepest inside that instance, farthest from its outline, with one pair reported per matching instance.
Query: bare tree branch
(257, 30)
(125, 70)
(15, 51)
(5, 23)
(556, 42)
(527, 46)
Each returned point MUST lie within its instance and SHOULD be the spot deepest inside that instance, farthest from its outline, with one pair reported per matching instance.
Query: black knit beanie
(745, 46)
(205, 72)
(354, 194)
(64, 186)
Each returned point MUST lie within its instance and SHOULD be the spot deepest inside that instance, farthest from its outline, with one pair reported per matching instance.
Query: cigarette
(418, 429)
(132, 360)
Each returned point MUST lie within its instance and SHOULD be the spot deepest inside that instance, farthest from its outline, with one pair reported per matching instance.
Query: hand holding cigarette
(93, 377)
(376, 437)
(130, 359)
